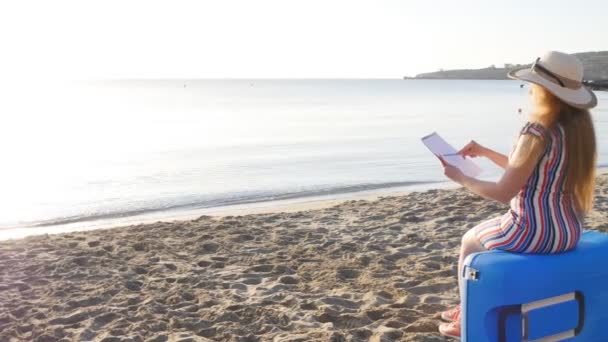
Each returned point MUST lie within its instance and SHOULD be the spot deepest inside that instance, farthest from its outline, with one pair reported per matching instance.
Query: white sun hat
(562, 75)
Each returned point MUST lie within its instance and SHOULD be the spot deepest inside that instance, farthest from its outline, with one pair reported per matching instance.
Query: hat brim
(582, 97)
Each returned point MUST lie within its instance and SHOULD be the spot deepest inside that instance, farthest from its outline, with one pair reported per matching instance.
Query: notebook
(440, 147)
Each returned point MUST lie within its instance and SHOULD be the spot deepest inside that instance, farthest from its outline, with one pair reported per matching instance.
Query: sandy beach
(358, 270)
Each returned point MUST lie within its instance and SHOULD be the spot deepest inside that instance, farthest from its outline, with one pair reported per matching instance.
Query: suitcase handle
(525, 324)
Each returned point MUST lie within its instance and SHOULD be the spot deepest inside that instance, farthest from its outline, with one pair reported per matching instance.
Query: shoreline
(272, 206)
(286, 205)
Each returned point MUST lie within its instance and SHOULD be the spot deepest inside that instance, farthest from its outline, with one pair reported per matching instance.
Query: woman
(549, 176)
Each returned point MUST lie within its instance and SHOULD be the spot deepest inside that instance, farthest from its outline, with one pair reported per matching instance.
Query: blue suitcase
(524, 297)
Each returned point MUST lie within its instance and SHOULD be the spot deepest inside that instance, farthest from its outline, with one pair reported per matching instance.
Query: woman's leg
(470, 244)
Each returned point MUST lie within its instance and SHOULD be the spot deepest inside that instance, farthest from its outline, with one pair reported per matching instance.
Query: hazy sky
(283, 38)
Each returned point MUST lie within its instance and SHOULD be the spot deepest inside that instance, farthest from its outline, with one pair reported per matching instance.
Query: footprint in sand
(347, 273)
(252, 281)
(290, 280)
(242, 238)
(103, 319)
(140, 247)
(265, 268)
(376, 315)
(94, 243)
(351, 321)
(209, 247)
(204, 263)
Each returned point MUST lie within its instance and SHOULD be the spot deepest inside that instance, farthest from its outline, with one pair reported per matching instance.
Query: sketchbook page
(440, 147)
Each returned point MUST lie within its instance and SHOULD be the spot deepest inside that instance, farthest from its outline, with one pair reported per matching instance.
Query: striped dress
(542, 217)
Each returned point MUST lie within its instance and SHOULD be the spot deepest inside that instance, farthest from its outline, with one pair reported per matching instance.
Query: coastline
(261, 207)
(368, 269)
(268, 206)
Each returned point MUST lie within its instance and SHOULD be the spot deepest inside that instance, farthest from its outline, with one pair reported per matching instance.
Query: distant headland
(595, 63)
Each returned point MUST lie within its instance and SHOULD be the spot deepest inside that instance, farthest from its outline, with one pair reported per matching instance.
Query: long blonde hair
(580, 143)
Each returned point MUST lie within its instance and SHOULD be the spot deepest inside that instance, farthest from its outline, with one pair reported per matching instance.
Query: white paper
(440, 147)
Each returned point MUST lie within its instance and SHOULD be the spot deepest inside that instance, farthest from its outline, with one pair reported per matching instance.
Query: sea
(90, 154)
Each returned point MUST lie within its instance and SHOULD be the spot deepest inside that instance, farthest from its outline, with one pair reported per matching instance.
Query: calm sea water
(116, 150)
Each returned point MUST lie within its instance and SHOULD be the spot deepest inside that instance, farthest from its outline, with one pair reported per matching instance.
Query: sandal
(451, 315)
(451, 330)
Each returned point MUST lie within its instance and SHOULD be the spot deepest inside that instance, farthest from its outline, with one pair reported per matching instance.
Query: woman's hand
(526, 155)
(473, 149)
(452, 172)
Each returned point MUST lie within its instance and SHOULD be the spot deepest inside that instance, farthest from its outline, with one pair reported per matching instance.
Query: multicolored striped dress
(542, 216)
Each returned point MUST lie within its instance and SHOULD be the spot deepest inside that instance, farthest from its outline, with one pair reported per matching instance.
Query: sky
(286, 38)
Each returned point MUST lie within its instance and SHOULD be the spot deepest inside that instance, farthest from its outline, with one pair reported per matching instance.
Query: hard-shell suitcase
(533, 297)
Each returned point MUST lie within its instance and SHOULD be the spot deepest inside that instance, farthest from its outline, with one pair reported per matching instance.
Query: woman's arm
(473, 149)
(496, 157)
(518, 170)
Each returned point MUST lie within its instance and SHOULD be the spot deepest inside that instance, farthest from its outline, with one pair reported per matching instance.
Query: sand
(359, 270)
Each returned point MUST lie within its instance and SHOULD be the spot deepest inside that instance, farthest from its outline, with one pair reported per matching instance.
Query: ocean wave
(220, 201)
